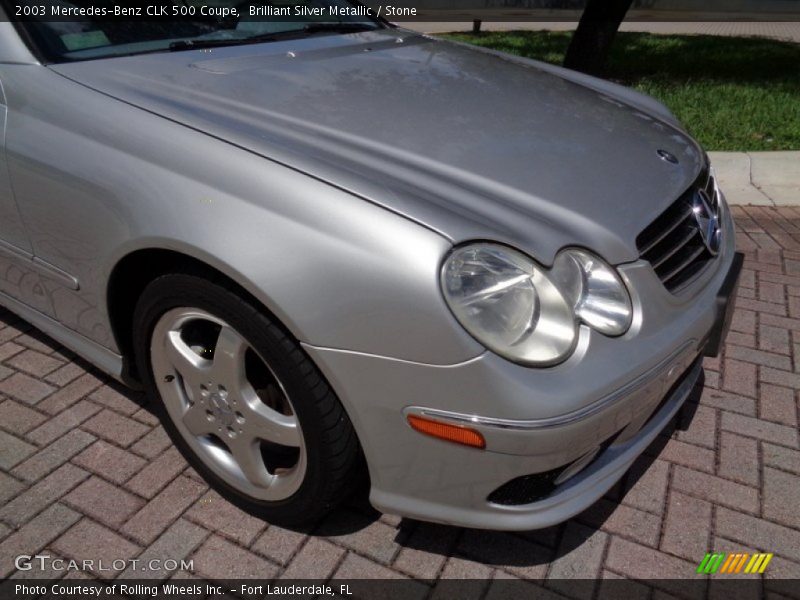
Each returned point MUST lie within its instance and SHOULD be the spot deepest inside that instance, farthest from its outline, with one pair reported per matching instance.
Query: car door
(18, 275)
(12, 232)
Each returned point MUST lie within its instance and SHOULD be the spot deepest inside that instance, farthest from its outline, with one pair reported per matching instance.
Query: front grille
(672, 244)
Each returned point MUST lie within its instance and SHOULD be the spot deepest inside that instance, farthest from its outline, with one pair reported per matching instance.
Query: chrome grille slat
(676, 270)
(673, 250)
(711, 187)
(670, 228)
(672, 244)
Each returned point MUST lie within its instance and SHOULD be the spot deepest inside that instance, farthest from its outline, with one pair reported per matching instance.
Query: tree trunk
(591, 43)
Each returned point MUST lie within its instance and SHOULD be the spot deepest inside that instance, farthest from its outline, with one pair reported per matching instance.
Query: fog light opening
(445, 431)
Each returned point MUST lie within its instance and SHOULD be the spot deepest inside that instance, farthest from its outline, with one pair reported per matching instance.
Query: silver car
(335, 247)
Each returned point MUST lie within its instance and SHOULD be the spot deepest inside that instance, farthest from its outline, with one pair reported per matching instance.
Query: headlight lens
(505, 300)
(528, 314)
(595, 291)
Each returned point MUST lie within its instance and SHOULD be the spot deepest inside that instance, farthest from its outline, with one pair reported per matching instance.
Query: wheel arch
(132, 273)
(135, 269)
(130, 276)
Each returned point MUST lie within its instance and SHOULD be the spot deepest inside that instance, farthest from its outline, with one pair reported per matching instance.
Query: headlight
(528, 314)
(595, 291)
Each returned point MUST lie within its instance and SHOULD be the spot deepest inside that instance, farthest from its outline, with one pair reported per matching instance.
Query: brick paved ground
(88, 473)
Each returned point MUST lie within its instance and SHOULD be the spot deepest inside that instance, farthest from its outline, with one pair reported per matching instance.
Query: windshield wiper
(216, 43)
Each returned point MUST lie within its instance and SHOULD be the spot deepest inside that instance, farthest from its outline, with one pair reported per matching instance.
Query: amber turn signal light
(445, 431)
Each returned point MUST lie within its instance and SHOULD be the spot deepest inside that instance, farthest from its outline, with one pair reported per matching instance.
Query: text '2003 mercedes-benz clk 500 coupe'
(331, 248)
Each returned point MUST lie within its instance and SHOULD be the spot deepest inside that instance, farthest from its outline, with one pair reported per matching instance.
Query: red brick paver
(86, 472)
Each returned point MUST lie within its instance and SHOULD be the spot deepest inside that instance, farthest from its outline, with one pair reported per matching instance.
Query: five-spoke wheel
(244, 403)
(227, 403)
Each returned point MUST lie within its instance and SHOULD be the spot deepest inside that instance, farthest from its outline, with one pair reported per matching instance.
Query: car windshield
(186, 25)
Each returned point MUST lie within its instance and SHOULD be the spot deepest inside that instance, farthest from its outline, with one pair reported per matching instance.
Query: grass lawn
(732, 93)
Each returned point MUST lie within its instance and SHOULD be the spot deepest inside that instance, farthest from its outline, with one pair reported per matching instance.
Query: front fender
(98, 179)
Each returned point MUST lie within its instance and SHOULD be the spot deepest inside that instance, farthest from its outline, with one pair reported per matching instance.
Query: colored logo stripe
(758, 563)
(711, 562)
(734, 563)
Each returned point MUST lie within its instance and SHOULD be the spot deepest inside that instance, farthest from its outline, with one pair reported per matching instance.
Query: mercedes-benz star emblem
(221, 409)
(667, 156)
(707, 221)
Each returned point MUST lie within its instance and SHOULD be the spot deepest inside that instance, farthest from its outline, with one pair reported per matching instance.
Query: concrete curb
(759, 178)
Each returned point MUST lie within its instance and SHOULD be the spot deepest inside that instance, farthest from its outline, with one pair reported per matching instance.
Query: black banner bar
(392, 10)
(727, 588)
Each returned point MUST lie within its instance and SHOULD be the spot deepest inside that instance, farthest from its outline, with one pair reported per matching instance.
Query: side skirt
(104, 359)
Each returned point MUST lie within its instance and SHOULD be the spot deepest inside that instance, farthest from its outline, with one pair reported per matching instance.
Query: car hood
(472, 144)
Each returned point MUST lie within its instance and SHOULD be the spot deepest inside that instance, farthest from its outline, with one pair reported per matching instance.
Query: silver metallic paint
(410, 483)
(115, 180)
(465, 143)
(12, 48)
(644, 381)
(331, 182)
(571, 498)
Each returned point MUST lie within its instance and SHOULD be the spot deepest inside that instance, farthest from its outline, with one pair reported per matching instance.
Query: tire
(288, 404)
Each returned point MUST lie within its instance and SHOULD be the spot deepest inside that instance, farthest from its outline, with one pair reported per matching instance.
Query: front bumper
(533, 420)
(569, 498)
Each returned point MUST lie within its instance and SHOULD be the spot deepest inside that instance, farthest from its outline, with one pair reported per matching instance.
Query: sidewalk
(759, 178)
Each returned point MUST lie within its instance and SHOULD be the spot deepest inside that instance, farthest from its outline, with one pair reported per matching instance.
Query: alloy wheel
(228, 404)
